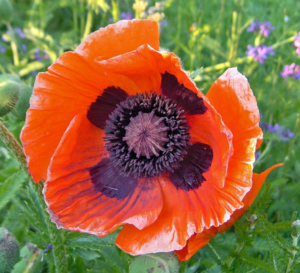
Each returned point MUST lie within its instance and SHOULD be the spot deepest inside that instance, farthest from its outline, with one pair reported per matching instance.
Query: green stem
(58, 251)
(75, 22)
(233, 35)
(13, 145)
(88, 24)
(224, 65)
(82, 17)
(286, 41)
(13, 44)
(294, 252)
(178, 28)
(237, 251)
(215, 252)
(115, 11)
(264, 153)
(41, 11)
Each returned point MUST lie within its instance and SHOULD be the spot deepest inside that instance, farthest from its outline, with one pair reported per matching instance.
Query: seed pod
(6, 11)
(31, 260)
(23, 104)
(9, 251)
(155, 263)
(9, 77)
(9, 96)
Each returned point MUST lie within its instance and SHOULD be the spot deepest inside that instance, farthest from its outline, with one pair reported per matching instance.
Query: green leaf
(10, 187)
(86, 254)
(258, 263)
(112, 255)
(83, 240)
(195, 73)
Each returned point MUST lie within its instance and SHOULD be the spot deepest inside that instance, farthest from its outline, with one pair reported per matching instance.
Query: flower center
(146, 134)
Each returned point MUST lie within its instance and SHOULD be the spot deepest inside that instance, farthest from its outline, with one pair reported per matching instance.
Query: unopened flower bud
(296, 225)
(23, 104)
(9, 250)
(6, 11)
(9, 95)
(155, 263)
(252, 218)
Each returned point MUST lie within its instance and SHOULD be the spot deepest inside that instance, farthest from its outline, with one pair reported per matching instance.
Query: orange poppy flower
(123, 136)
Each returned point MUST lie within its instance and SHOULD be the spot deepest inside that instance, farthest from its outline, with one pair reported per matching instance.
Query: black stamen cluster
(168, 160)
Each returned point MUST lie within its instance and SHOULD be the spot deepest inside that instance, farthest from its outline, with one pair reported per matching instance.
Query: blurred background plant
(261, 38)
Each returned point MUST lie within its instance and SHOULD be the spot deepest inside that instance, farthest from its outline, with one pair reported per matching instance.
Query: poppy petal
(185, 97)
(60, 94)
(199, 240)
(80, 197)
(195, 242)
(258, 180)
(143, 67)
(184, 213)
(238, 106)
(119, 38)
(239, 112)
(210, 211)
(169, 79)
(105, 104)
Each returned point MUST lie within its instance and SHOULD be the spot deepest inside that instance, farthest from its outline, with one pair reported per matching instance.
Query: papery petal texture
(199, 240)
(122, 136)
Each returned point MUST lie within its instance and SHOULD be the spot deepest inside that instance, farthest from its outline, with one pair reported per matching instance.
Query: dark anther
(147, 135)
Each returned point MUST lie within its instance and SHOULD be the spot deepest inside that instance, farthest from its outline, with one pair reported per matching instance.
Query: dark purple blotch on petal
(186, 98)
(104, 105)
(189, 175)
(107, 180)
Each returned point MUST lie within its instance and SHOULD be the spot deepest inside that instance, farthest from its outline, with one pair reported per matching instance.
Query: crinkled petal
(119, 38)
(184, 213)
(84, 192)
(65, 90)
(199, 240)
(234, 101)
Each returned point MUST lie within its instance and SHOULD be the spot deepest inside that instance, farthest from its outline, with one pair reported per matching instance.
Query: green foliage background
(210, 34)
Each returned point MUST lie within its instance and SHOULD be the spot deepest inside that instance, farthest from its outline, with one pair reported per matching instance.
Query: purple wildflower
(254, 26)
(37, 55)
(20, 32)
(274, 129)
(260, 53)
(24, 47)
(110, 19)
(2, 50)
(46, 56)
(277, 130)
(45, 250)
(266, 28)
(163, 23)
(126, 15)
(292, 71)
(297, 40)
(49, 246)
(286, 135)
(257, 154)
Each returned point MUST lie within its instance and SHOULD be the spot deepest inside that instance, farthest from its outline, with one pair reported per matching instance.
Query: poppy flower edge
(123, 136)
(197, 241)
